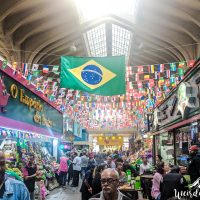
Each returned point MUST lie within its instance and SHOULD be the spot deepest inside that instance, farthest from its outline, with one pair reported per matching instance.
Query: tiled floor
(67, 193)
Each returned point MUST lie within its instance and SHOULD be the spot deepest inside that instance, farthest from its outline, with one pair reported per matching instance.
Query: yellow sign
(110, 141)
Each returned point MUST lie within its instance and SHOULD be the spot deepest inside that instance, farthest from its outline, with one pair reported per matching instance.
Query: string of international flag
(147, 91)
(45, 75)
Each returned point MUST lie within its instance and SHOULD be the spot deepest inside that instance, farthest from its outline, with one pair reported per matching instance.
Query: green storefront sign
(24, 106)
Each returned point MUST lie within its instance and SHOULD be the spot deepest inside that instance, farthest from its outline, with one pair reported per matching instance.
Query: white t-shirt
(77, 163)
(144, 168)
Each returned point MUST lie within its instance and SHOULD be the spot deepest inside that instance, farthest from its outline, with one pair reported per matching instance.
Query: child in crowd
(43, 190)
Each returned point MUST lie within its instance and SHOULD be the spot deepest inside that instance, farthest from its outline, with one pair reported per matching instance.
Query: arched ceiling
(40, 31)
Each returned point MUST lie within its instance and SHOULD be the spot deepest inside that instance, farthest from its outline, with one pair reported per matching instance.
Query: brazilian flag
(99, 75)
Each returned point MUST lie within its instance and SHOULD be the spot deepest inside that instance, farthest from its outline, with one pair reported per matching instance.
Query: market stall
(29, 123)
(176, 120)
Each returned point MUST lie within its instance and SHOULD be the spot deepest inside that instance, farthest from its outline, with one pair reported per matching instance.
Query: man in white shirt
(145, 167)
(76, 170)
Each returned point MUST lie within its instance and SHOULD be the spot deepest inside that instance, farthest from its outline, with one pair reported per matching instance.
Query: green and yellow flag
(100, 75)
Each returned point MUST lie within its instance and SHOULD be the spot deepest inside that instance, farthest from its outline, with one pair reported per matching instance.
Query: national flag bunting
(161, 82)
(29, 77)
(164, 87)
(149, 69)
(140, 70)
(146, 77)
(140, 84)
(129, 86)
(172, 79)
(14, 66)
(167, 82)
(45, 69)
(4, 64)
(191, 63)
(35, 67)
(25, 69)
(180, 71)
(152, 69)
(151, 83)
(36, 73)
(137, 77)
(50, 79)
(181, 64)
(168, 73)
(100, 75)
(55, 68)
(161, 68)
(173, 67)
(157, 75)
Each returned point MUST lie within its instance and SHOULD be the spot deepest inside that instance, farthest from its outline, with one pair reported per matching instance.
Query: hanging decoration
(146, 87)
(10, 133)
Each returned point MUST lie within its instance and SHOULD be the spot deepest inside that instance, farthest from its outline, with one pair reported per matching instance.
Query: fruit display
(14, 173)
(17, 157)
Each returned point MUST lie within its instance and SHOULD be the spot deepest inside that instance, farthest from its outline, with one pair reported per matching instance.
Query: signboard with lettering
(110, 141)
(177, 106)
(166, 113)
(20, 104)
(183, 102)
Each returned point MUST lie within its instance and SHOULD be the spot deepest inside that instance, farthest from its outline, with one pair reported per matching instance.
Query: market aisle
(65, 194)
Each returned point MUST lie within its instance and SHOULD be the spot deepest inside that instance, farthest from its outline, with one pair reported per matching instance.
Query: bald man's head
(111, 172)
(109, 181)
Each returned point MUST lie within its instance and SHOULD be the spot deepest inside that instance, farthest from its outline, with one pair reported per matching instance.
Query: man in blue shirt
(11, 189)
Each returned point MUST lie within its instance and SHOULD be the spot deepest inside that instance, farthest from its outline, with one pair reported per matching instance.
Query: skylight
(121, 40)
(92, 9)
(96, 38)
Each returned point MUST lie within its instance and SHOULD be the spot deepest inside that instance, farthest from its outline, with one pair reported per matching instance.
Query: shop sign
(20, 104)
(110, 141)
(166, 113)
(187, 98)
(177, 105)
(32, 103)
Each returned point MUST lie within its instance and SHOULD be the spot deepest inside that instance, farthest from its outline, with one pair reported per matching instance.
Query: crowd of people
(101, 175)
(169, 181)
(89, 167)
